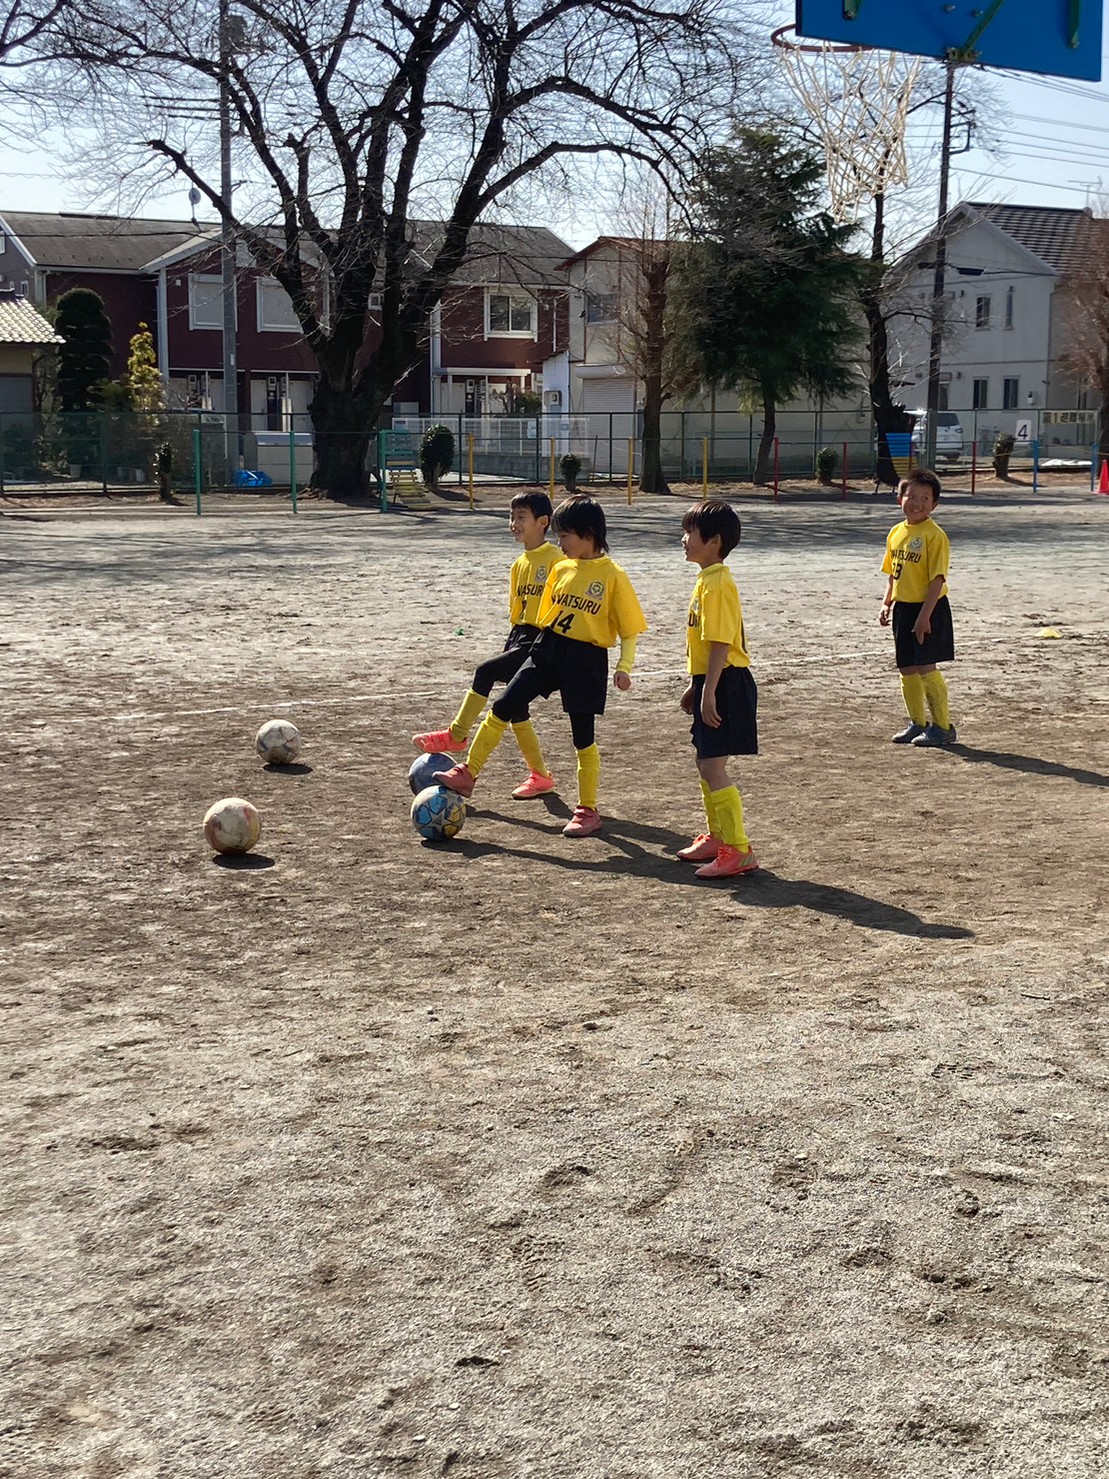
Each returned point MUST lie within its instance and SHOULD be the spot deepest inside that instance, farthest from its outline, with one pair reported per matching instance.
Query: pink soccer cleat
(729, 862)
(535, 785)
(440, 742)
(583, 823)
(702, 849)
(459, 779)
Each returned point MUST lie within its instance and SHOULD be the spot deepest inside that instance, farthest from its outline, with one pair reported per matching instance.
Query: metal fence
(190, 452)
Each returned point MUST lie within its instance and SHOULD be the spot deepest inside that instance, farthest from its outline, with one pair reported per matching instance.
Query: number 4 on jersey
(564, 623)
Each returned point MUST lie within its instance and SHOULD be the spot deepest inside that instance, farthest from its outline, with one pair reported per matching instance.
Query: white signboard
(1023, 432)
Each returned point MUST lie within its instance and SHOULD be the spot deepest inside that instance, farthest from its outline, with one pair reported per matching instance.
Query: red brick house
(502, 329)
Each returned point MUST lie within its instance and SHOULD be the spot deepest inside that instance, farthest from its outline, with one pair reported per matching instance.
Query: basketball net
(858, 98)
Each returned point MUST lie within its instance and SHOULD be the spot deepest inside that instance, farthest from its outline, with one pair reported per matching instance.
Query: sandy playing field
(531, 1158)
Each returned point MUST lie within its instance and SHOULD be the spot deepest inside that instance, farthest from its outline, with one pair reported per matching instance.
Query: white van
(949, 435)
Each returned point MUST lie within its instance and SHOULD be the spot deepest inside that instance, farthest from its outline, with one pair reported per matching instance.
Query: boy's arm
(624, 663)
(718, 659)
(887, 602)
(923, 624)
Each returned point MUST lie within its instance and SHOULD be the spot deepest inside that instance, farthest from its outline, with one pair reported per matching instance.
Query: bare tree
(357, 117)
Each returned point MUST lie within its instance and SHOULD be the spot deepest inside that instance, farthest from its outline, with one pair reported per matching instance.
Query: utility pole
(935, 350)
(227, 249)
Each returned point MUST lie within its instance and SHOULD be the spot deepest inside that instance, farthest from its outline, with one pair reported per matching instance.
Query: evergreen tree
(85, 357)
(146, 389)
(769, 292)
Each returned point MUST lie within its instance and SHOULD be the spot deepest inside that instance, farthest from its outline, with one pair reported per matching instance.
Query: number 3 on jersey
(564, 623)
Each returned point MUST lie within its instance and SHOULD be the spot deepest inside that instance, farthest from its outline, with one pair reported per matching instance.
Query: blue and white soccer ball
(438, 814)
(424, 769)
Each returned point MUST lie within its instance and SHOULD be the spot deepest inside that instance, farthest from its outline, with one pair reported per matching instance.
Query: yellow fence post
(470, 463)
(631, 468)
(705, 467)
(550, 484)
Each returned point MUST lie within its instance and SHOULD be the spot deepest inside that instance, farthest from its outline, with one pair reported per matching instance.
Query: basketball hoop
(858, 98)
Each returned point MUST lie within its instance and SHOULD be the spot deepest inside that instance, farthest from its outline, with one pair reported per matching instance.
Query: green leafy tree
(769, 290)
(84, 360)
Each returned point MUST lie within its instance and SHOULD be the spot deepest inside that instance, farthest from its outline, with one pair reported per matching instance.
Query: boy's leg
(586, 818)
(735, 854)
(511, 708)
(912, 691)
(539, 781)
(935, 691)
(453, 739)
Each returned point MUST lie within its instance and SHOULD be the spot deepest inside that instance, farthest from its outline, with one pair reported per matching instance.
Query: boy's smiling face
(526, 528)
(917, 503)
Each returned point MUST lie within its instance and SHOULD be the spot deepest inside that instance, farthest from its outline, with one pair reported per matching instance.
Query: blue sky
(1054, 138)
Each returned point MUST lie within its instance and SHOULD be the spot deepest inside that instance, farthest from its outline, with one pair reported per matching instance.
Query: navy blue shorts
(737, 701)
(938, 646)
(576, 670)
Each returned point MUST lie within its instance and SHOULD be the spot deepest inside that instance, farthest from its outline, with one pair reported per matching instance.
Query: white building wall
(993, 264)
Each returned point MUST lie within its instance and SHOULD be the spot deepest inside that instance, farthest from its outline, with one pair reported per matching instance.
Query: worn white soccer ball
(232, 825)
(278, 742)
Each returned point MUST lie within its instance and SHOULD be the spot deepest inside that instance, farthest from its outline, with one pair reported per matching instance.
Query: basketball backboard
(1061, 38)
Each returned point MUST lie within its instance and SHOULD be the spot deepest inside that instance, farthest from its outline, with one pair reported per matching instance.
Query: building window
(1010, 393)
(981, 395)
(24, 288)
(941, 404)
(275, 309)
(509, 316)
(1009, 307)
(205, 302)
(3, 244)
(375, 302)
(982, 313)
(601, 308)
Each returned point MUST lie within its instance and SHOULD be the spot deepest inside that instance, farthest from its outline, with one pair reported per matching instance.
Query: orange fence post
(776, 465)
(843, 485)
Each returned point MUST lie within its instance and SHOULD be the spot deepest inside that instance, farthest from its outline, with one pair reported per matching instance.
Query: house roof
(106, 243)
(495, 254)
(1052, 233)
(20, 323)
(635, 243)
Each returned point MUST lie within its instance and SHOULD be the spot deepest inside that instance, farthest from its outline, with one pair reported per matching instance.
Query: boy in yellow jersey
(528, 519)
(916, 561)
(587, 604)
(721, 698)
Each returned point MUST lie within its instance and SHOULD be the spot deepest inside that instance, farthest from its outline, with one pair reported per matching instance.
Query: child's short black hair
(535, 503)
(584, 517)
(923, 475)
(713, 518)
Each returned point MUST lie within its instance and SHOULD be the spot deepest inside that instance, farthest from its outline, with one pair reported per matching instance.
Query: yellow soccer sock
(912, 689)
(589, 776)
(728, 811)
(935, 690)
(528, 741)
(485, 742)
(463, 721)
(706, 797)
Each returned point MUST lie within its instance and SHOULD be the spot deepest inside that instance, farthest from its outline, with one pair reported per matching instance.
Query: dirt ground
(532, 1158)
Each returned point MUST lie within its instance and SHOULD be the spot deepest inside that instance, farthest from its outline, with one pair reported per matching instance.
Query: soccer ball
(438, 813)
(232, 825)
(278, 742)
(424, 769)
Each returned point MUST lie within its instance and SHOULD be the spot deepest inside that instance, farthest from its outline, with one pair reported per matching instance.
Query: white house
(1007, 301)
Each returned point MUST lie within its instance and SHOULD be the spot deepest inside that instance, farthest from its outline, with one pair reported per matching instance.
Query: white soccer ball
(232, 825)
(278, 742)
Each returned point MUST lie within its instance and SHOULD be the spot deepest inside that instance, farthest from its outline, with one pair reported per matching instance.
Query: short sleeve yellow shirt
(591, 601)
(526, 580)
(915, 555)
(715, 615)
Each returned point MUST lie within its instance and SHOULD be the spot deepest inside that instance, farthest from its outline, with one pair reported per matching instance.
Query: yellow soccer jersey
(715, 615)
(915, 555)
(591, 601)
(526, 580)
